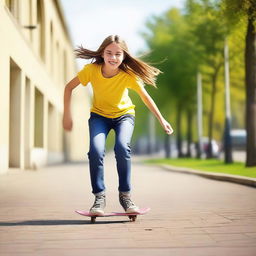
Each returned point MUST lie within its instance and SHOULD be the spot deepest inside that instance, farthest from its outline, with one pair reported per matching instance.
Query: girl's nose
(113, 57)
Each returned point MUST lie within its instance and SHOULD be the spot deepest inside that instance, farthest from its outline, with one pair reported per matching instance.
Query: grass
(209, 165)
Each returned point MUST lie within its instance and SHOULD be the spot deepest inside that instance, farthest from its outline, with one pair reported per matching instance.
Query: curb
(212, 175)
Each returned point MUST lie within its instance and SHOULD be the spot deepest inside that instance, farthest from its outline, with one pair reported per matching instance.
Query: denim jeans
(99, 127)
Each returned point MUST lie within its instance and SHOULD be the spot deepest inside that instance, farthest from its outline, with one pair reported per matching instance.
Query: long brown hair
(132, 64)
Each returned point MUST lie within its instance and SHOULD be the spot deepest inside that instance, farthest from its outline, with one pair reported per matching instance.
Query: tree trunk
(250, 77)
(189, 132)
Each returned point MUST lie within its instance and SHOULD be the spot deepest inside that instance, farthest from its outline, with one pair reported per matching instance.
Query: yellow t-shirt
(110, 95)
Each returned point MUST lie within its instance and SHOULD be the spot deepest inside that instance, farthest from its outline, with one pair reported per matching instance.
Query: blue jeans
(99, 127)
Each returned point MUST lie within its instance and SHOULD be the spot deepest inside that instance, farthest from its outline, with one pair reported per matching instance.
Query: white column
(22, 120)
(5, 110)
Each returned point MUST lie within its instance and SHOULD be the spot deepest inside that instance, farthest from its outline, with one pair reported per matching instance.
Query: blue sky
(89, 22)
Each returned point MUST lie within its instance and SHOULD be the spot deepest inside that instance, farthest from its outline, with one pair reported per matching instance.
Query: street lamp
(227, 130)
(199, 116)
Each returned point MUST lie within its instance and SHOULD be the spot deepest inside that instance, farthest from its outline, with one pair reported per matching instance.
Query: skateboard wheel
(93, 219)
(132, 217)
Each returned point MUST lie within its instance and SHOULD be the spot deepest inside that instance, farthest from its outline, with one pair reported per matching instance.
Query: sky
(90, 22)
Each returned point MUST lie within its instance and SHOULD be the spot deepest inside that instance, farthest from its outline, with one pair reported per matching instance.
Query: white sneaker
(99, 204)
(127, 203)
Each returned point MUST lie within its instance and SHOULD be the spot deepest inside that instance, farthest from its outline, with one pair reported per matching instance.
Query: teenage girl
(112, 72)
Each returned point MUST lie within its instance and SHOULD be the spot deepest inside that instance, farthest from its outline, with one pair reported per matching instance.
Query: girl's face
(113, 56)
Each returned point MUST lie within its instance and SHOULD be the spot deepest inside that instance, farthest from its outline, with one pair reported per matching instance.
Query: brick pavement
(189, 215)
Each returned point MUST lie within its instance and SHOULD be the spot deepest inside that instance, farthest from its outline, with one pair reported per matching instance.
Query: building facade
(36, 61)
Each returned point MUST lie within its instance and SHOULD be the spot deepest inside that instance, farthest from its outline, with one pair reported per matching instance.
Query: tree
(170, 38)
(183, 43)
(236, 10)
(210, 33)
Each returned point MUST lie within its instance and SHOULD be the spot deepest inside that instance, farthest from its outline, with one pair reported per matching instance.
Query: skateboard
(131, 216)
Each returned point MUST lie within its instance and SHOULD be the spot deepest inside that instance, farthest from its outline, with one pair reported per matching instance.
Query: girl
(111, 73)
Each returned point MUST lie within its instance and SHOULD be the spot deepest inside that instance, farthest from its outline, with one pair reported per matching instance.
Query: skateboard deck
(131, 216)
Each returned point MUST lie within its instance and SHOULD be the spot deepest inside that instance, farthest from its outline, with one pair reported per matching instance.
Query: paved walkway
(190, 215)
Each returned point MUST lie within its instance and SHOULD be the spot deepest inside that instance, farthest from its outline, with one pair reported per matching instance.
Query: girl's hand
(167, 127)
(67, 122)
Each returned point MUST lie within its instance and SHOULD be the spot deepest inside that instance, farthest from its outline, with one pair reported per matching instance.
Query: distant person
(112, 72)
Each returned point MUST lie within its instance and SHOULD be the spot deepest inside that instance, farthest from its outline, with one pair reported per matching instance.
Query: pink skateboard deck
(131, 216)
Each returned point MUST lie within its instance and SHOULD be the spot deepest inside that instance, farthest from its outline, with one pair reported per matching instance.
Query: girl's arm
(67, 118)
(154, 109)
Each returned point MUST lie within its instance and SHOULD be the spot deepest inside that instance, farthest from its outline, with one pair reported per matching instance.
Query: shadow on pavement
(55, 222)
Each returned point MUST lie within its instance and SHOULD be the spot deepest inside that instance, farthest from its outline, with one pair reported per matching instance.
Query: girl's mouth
(112, 63)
